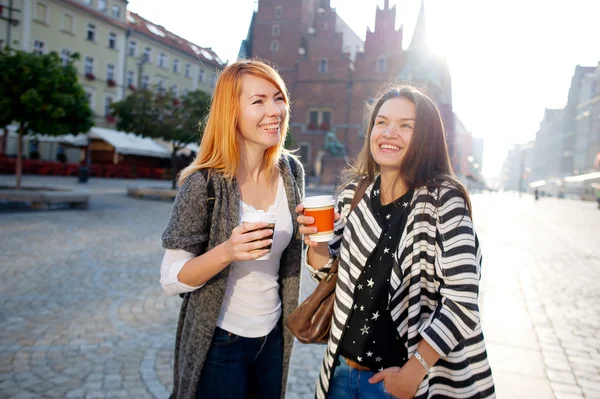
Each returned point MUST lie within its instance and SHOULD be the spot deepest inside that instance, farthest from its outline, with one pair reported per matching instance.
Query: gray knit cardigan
(187, 229)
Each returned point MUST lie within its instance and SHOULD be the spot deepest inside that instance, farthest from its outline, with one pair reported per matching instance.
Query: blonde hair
(219, 148)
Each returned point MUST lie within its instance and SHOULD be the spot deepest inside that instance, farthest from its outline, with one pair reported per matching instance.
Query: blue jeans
(349, 383)
(239, 368)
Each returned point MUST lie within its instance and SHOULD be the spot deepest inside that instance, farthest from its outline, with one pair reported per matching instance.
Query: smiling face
(262, 112)
(392, 132)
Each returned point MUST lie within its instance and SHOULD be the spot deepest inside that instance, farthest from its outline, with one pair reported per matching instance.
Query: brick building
(332, 74)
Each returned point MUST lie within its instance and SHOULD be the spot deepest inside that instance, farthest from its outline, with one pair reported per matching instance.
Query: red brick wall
(346, 87)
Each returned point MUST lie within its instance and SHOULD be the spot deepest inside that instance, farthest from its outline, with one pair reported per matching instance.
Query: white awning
(584, 177)
(129, 143)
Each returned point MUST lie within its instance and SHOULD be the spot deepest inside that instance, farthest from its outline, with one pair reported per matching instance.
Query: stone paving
(83, 314)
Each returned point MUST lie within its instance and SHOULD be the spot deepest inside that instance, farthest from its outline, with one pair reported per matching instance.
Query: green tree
(41, 95)
(162, 115)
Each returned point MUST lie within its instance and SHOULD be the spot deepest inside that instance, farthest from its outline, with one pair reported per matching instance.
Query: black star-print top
(371, 339)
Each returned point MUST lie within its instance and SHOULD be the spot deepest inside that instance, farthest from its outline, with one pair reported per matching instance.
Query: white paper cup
(261, 216)
(321, 208)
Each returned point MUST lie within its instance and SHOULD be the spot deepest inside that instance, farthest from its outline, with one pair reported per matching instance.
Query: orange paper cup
(321, 208)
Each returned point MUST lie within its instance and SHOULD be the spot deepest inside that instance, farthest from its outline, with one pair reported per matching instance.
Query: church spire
(419, 38)
(386, 5)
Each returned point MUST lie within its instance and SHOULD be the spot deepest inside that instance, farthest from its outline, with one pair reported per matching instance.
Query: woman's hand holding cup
(308, 228)
(247, 240)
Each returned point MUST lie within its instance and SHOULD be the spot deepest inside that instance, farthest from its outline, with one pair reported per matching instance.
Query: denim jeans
(239, 368)
(349, 383)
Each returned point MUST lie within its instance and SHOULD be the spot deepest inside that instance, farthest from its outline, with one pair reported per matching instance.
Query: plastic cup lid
(318, 201)
(259, 216)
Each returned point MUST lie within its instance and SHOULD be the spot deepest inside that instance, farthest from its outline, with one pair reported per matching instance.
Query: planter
(90, 76)
(111, 83)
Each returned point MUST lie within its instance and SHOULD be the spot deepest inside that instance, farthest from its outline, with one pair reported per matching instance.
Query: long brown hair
(219, 148)
(427, 161)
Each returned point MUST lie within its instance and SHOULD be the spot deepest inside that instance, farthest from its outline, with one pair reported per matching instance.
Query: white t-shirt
(251, 306)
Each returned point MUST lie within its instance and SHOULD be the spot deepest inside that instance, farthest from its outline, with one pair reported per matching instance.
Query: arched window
(381, 65)
(323, 66)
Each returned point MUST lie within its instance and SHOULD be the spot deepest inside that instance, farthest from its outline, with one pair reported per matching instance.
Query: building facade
(568, 140)
(119, 50)
(517, 167)
(333, 76)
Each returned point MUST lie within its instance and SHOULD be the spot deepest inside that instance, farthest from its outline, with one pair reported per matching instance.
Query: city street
(83, 314)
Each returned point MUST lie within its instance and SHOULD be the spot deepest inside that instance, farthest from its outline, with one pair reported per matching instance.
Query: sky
(509, 60)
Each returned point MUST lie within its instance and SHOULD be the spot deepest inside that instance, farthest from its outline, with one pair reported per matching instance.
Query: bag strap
(361, 187)
(293, 166)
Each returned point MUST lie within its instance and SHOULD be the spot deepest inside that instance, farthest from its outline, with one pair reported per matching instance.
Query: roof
(419, 38)
(141, 25)
(129, 143)
(98, 14)
(351, 42)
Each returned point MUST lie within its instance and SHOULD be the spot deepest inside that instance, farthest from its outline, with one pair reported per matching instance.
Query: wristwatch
(421, 360)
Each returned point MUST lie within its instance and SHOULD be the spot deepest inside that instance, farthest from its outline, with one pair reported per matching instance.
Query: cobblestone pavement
(83, 315)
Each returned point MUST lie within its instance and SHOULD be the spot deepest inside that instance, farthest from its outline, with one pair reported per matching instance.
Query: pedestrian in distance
(406, 318)
(536, 193)
(230, 342)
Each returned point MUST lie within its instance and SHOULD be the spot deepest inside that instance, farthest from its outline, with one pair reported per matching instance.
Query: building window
(304, 152)
(201, 76)
(176, 66)
(131, 50)
(160, 87)
(325, 119)
(102, 5)
(148, 54)
(38, 47)
(90, 99)
(174, 90)
(91, 33)
(275, 45)
(67, 23)
(313, 119)
(112, 40)
(116, 11)
(130, 78)
(145, 82)
(107, 103)
(162, 60)
(381, 65)
(323, 66)
(277, 12)
(65, 56)
(88, 65)
(213, 80)
(110, 72)
(275, 30)
(319, 119)
(41, 13)
(188, 70)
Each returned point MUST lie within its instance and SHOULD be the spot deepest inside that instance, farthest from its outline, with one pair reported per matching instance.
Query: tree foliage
(162, 115)
(41, 95)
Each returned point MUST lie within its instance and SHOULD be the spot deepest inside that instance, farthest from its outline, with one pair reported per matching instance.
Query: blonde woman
(230, 342)
(406, 316)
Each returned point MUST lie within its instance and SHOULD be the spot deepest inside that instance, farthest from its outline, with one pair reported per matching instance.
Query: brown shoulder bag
(311, 321)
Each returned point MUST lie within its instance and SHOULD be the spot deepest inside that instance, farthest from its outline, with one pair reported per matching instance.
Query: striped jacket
(433, 293)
